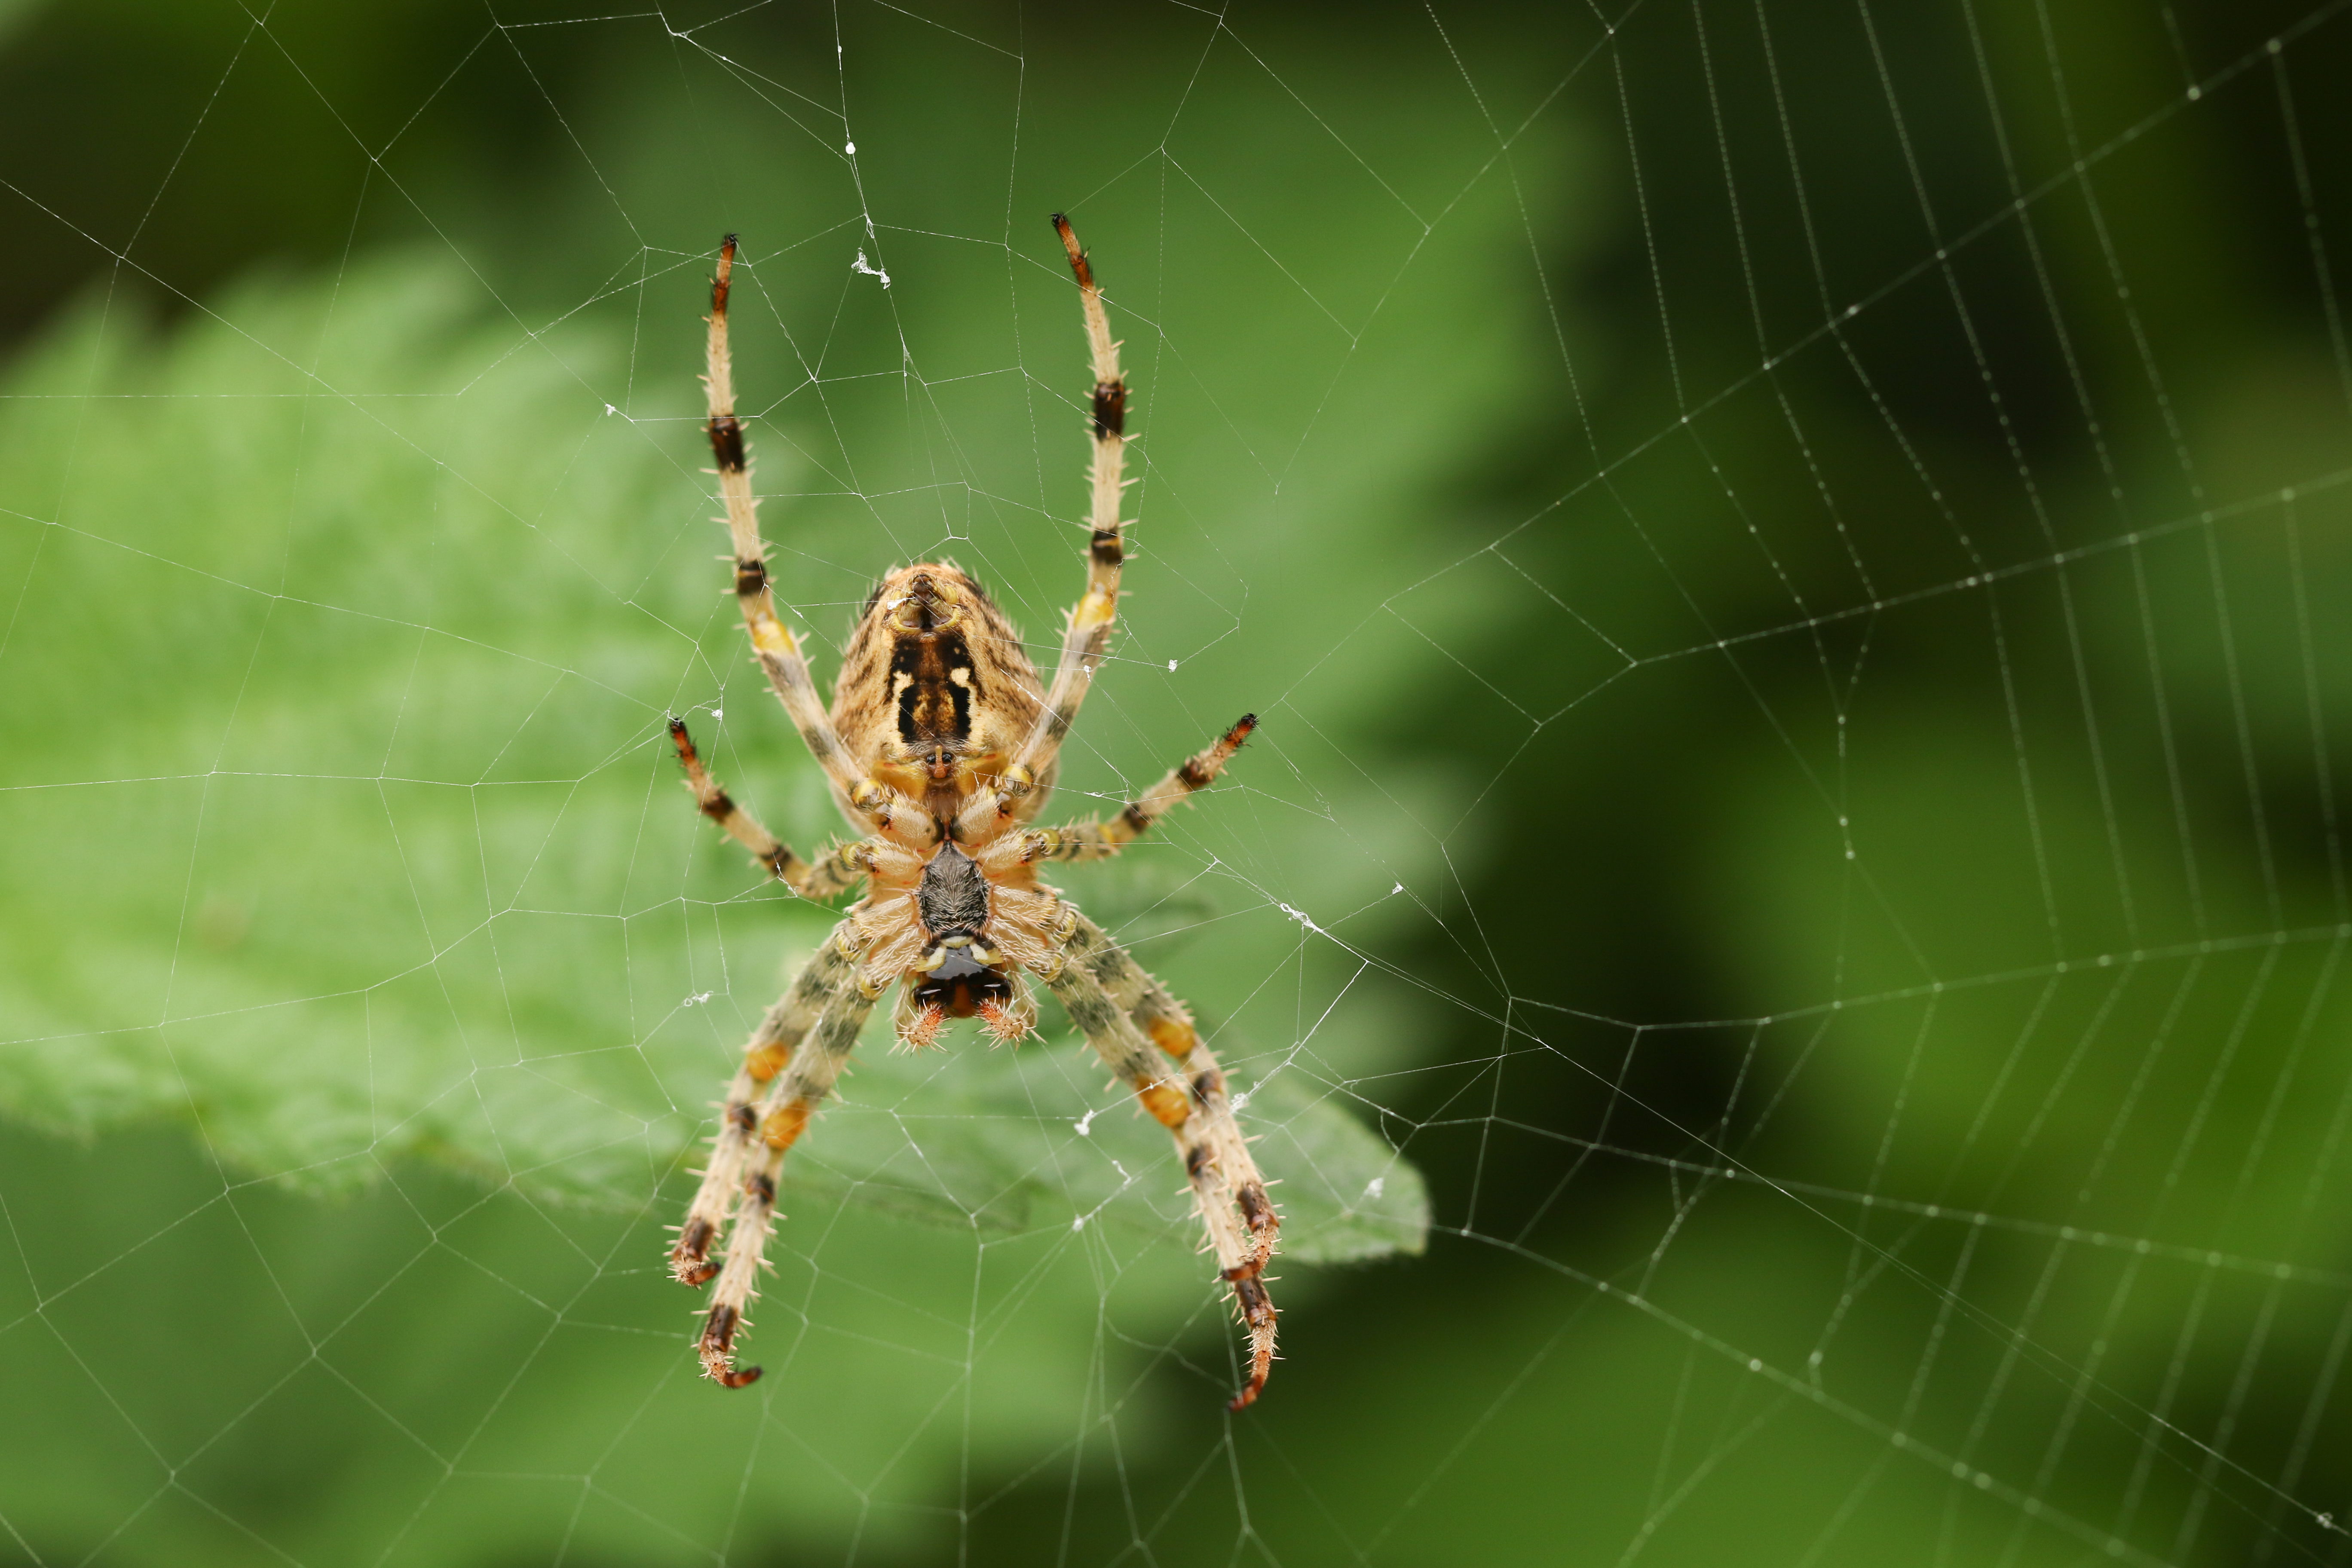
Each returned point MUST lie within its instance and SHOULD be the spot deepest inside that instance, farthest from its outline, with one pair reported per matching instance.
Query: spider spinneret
(940, 748)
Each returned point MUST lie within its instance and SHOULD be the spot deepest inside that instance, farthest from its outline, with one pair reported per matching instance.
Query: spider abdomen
(936, 693)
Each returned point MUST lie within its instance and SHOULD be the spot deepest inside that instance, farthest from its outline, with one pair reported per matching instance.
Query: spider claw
(717, 1348)
(690, 1261)
(1259, 1312)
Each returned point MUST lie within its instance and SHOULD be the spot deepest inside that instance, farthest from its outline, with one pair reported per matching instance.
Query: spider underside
(941, 749)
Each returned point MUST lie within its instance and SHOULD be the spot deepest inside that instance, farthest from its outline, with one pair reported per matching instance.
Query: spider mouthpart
(1004, 1023)
(960, 986)
(921, 1031)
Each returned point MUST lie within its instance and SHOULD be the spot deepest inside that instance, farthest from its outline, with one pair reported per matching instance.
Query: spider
(941, 748)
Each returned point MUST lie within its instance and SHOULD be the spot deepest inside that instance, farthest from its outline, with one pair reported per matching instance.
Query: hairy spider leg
(1100, 840)
(843, 868)
(829, 972)
(807, 1080)
(1200, 1118)
(1167, 1024)
(778, 652)
(1088, 634)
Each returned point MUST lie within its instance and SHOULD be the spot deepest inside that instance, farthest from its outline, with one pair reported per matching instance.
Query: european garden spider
(941, 750)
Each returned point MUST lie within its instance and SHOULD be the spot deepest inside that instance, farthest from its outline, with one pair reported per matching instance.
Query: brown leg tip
(1258, 1314)
(718, 282)
(689, 1259)
(1078, 256)
(717, 1348)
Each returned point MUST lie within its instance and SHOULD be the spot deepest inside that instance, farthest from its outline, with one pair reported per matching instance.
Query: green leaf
(342, 828)
(371, 845)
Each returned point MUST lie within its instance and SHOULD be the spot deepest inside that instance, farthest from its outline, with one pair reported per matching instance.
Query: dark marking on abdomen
(934, 708)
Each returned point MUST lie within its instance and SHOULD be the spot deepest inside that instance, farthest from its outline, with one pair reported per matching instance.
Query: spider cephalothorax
(941, 749)
(957, 932)
(934, 687)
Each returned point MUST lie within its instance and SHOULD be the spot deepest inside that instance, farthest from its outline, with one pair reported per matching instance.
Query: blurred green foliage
(1863, 978)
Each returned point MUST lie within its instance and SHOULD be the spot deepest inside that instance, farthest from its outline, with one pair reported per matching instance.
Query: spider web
(1781, 931)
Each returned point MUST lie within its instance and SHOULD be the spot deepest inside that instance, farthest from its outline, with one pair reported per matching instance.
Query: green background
(1784, 927)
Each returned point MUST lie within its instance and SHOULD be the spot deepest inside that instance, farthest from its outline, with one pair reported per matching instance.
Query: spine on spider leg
(803, 1086)
(778, 650)
(1216, 1161)
(826, 974)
